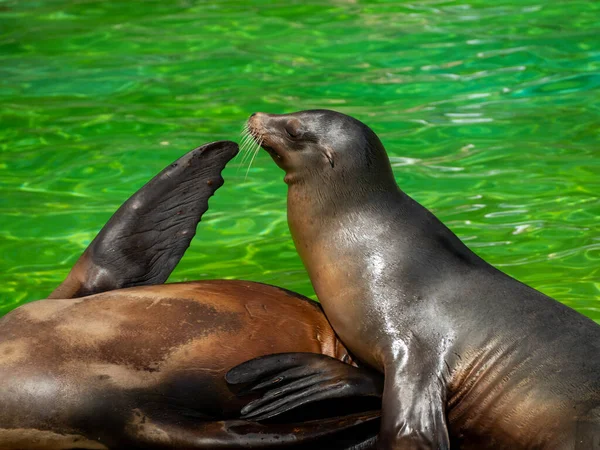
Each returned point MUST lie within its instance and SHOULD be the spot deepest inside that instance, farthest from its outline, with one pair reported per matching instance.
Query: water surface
(489, 111)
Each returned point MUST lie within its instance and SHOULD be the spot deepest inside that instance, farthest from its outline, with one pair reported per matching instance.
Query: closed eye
(293, 128)
(291, 133)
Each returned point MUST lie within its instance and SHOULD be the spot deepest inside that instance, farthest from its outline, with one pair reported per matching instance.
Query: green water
(489, 109)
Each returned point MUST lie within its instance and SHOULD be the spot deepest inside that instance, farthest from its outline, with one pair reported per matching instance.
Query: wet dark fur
(471, 356)
(144, 368)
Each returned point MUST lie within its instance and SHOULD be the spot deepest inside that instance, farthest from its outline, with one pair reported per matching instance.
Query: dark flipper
(292, 380)
(144, 240)
(357, 431)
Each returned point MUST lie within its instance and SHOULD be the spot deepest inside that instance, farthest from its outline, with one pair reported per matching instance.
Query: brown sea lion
(472, 357)
(99, 367)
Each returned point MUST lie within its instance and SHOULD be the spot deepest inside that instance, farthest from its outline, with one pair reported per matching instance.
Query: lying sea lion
(97, 366)
(472, 357)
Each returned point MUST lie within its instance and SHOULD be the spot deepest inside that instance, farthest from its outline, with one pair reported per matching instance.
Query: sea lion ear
(329, 155)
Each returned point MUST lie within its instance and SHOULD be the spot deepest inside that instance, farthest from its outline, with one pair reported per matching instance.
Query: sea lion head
(321, 144)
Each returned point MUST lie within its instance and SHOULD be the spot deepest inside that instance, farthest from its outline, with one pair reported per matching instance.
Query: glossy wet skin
(96, 367)
(470, 355)
(157, 353)
(317, 150)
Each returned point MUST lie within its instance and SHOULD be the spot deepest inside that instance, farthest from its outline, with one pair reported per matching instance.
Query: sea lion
(145, 367)
(472, 357)
(99, 367)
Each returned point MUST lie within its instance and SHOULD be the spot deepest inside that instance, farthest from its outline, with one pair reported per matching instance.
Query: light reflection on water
(489, 112)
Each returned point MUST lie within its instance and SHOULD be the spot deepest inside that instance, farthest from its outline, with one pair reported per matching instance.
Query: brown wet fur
(161, 351)
(473, 359)
(95, 367)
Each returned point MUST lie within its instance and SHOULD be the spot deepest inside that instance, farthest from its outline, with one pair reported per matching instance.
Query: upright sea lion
(471, 356)
(144, 367)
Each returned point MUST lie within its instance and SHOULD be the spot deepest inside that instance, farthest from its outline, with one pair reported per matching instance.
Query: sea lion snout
(293, 141)
(261, 125)
(266, 132)
(290, 128)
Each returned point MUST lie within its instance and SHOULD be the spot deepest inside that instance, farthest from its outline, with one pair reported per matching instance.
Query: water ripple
(489, 111)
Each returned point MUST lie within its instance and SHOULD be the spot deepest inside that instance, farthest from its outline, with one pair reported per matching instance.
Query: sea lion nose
(257, 117)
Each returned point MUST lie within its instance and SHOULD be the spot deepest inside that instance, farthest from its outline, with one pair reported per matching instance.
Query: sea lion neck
(317, 221)
(316, 202)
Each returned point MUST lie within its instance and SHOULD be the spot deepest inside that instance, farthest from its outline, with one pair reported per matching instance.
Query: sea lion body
(114, 366)
(96, 366)
(519, 368)
(471, 356)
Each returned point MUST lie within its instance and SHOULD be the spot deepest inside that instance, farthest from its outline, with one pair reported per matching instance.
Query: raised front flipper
(292, 380)
(144, 240)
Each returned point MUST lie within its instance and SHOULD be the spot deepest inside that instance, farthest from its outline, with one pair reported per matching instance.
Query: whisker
(248, 148)
(248, 145)
(244, 135)
(247, 137)
(253, 156)
(252, 151)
